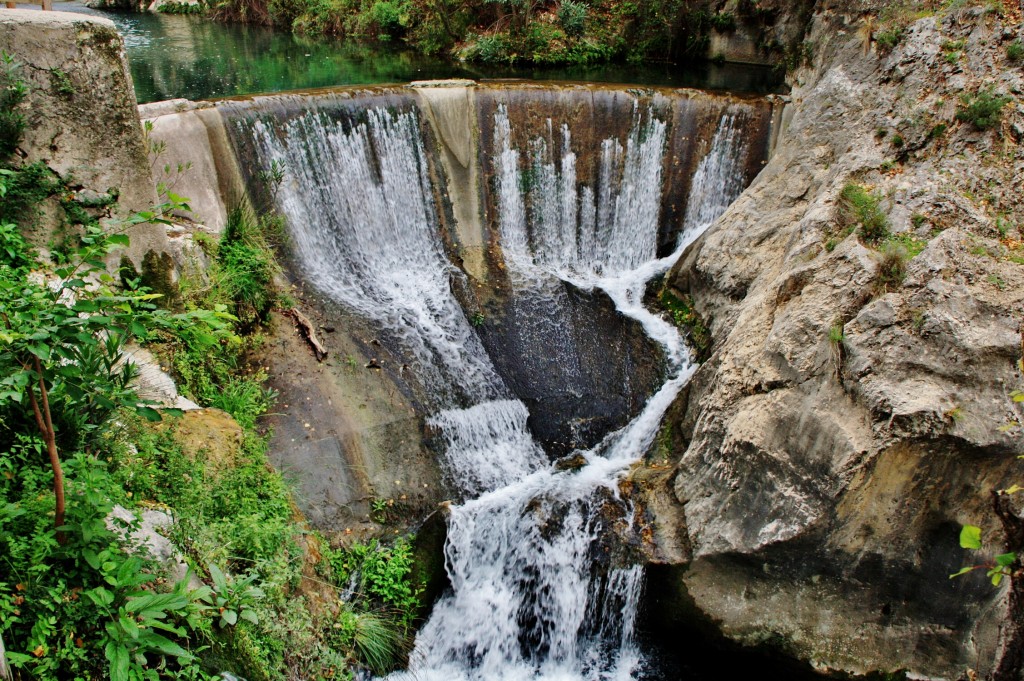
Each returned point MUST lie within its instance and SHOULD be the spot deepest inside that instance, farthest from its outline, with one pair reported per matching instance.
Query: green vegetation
(181, 8)
(892, 269)
(78, 599)
(953, 50)
(572, 16)
(687, 318)
(509, 31)
(983, 109)
(860, 209)
(1015, 50)
(835, 334)
(889, 38)
(910, 244)
(723, 21)
(12, 93)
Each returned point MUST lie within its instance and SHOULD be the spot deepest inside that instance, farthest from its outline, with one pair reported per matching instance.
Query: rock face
(846, 425)
(80, 112)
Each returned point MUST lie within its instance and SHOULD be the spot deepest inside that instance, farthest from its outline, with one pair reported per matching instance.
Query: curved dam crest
(500, 241)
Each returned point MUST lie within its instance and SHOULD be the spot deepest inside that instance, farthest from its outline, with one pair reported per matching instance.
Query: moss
(687, 318)
(428, 575)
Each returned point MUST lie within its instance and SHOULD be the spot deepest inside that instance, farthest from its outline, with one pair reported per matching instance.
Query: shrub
(1015, 50)
(861, 208)
(983, 109)
(572, 16)
(723, 22)
(491, 49)
(248, 267)
(889, 38)
(892, 269)
(390, 18)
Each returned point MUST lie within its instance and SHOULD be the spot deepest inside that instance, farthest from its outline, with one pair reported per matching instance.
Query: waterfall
(539, 589)
(530, 598)
(364, 230)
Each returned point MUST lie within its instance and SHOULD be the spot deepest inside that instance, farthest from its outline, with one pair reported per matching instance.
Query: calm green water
(183, 56)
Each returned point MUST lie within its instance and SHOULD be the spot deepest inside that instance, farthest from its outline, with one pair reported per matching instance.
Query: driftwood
(309, 333)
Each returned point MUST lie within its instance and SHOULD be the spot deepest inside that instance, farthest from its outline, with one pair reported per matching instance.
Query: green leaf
(1006, 559)
(228, 618)
(250, 615)
(996, 577)
(970, 537)
(129, 626)
(118, 239)
(148, 413)
(100, 596)
(117, 655)
(41, 351)
(18, 659)
(220, 582)
(167, 646)
(962, 571)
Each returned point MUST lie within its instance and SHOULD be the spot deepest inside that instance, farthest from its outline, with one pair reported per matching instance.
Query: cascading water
(368, 238)
(535, 590)
(529, 599)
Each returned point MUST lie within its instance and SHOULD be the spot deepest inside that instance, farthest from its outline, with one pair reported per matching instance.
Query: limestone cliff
(849, 421)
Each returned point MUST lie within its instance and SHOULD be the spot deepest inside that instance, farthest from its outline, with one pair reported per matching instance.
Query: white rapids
(530, 597)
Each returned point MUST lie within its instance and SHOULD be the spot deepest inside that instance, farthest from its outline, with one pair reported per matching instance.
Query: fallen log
(309, 333)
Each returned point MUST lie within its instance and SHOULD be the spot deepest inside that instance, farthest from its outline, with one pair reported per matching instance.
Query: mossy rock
(209, 435)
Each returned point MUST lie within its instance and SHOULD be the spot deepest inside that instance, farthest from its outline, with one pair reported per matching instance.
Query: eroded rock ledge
(814, 491)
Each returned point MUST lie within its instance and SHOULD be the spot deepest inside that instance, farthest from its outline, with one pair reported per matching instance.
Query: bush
(1015, 50)
(723, 22)
(892, 269)
(248, 268)
(491, 49)
(889, 38)
(861, 209)
(390, 17)
(983, 109)
(572, 16)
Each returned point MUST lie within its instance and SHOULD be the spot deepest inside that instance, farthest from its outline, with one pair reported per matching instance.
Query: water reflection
(184, 56)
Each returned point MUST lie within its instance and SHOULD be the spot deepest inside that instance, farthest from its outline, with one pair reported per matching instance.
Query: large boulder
(81, 112)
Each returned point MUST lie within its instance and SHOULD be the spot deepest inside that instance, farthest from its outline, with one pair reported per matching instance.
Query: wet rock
(571, 463)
